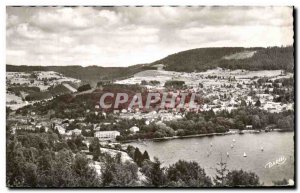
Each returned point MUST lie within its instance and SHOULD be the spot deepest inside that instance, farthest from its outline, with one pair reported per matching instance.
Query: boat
(231, 145)
(262, 148)
(211, 144)
(233, 140)
(245, 154)
(227, 154)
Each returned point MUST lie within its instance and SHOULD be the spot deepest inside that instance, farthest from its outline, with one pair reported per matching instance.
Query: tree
(154, 173)
(15, 163)
(187, 174)
(125, 174)
(62, 172)
(144, 82)
(256, 122)
(146, 156)
(283, 182)
(94, 148)
(30, 174)
(116, 173)
(138, 157)
(219, 180)
(86, 175)
(243, 103)
(258, 103)
(241, 178)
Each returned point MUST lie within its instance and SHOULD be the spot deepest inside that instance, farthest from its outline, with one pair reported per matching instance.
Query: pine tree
(222, 171)
(258, 103)
(157, 177)
(138, 157)
(243, 103)
(146, 156)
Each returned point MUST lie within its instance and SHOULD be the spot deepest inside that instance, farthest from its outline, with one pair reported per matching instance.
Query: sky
(123, 36)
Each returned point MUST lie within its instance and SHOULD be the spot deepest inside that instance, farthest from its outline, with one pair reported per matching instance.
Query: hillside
(202, 59)
(90, 74)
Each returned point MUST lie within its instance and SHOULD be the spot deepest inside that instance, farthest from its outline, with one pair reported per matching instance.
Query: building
(60, 129)
(76, 132)
(249, 127)
(134, 129)
(106, 135)
(159, 66)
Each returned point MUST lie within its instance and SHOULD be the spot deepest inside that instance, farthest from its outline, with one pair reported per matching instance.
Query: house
(159, 66)
(249, 127)
(106, 135)
(147, 122)
(134, 129)
(76, 132)
(97, 128)
(73, 132)
(60, 129)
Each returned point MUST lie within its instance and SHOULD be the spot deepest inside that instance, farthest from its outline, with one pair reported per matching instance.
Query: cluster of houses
(221, 89)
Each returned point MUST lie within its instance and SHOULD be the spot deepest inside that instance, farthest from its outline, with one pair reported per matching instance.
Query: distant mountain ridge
(90, 74)
(201, 59)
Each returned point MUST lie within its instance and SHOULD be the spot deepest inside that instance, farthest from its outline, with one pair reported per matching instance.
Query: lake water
(207, 151)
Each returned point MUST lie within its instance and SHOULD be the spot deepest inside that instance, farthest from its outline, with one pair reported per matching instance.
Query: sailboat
(211, 144)
(262, 148)
(227, 154)
(233, 140)
(231, 145)
(245, 154)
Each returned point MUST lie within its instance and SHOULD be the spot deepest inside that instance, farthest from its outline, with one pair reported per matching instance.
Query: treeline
(273, 58)
(176, 84)
(202, 59)
(239, 118)
(205, 123)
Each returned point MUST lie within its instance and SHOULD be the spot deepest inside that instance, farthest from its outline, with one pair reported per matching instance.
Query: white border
(108, 3)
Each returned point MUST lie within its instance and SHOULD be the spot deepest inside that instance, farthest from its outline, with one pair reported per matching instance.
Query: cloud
(122, 36)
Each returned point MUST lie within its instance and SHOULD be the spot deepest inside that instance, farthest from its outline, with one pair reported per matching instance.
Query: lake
(207, 151)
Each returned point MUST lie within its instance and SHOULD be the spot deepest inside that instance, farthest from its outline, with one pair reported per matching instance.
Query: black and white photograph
(150, 97)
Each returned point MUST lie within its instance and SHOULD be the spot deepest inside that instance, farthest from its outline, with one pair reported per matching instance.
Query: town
(270, 91)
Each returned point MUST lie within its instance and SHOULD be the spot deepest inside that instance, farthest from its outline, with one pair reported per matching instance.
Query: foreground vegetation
(46, 160)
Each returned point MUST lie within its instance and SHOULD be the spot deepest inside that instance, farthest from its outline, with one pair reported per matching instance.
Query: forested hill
(202, 59)
(188, 61)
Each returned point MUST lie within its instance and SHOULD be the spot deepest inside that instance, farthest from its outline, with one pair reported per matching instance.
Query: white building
(76, 131)
(134, 129)
(106, 135)
(60, 129)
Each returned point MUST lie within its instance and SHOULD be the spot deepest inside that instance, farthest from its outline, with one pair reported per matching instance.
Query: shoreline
(201, 135)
